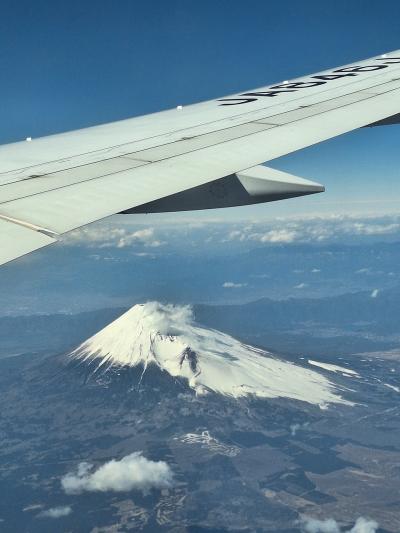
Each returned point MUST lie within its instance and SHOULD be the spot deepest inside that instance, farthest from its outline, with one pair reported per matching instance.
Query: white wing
(198, 157)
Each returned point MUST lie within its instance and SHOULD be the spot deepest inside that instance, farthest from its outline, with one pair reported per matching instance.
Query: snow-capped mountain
(167, 336)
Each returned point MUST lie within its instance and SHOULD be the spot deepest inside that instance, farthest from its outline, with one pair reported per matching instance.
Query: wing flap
(251, 186)
(389, 121)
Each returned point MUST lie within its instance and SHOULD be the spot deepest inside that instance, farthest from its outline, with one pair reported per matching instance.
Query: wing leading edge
(190, 158)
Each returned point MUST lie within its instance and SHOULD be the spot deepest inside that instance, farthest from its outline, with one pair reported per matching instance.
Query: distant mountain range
(223, 272)
(377, 308)
(363, 321)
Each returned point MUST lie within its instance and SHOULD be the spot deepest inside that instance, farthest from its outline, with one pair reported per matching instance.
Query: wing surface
(52, 185)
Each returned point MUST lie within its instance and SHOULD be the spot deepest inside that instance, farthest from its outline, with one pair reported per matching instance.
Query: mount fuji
(251, 440)
(166, 336)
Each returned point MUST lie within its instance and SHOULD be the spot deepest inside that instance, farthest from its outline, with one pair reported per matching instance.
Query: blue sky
(67, 65)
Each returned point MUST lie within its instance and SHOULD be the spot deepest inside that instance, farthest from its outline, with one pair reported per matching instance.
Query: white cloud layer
(284, 231)
(313, 525)
(56, 512)
(315, 229)
(104, 236)
(132, 472)
(375, 229)
(275, 236)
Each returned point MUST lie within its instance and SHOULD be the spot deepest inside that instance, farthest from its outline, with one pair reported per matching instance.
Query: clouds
(132, 472)
(278, 231)
(315, 229)
(362, 228)
(363, 525)
(275, 236)
(313, 525)
(144, 236)
(56, 512)
(168, 319)
(294, 428)
(232, 285)
(108, 236)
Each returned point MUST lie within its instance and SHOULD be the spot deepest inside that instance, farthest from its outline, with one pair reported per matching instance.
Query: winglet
(266, 184)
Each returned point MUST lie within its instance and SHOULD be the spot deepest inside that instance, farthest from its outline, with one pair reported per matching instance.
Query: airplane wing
(196, 157)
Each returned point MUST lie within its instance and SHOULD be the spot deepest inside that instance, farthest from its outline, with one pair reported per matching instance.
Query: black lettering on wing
(236, 101)
(298, 85)
(267, 93)
(363, 68)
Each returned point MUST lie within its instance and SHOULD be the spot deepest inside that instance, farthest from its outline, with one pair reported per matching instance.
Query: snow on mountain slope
(334, 368)
(166, 336)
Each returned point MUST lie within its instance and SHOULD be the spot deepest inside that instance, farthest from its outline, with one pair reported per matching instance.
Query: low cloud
(294, 428)
(144, 236)
(169, 319)
(231, 285)
(103, 236)
(33, 507)
(362, 228)
(236, 234)
(132, 472)
(275, 236)
(313, 525)
(56, 512)
(363, 271)
(364, 525)
(374, 293)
